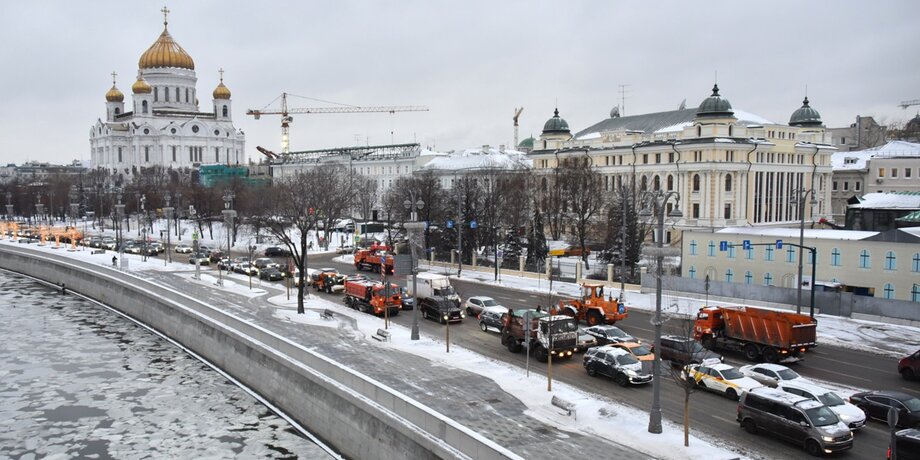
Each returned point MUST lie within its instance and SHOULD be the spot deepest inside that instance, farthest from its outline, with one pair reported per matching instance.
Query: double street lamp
(656, 205)
(119, 227)
(168, 211)
(414, 206)
(9, 205)
(798, 200)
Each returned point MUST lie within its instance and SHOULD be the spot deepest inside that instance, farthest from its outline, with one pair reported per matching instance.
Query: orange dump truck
(373, 297)
(757, 332)
(373, 258)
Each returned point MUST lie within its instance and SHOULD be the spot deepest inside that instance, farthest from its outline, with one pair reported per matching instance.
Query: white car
(848, 413)
(772, 375)
(475, 304)
(722, 378)
(183, 248)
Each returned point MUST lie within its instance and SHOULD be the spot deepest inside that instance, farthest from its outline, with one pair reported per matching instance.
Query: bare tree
(582, 189)
(334, 180)
(682, 328)
(366, 193)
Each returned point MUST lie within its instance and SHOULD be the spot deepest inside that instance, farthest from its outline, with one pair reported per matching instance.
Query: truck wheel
(749, 426)
(770, 355)
(540, 354)
(594, 318)
(751, 352)
(709, 342)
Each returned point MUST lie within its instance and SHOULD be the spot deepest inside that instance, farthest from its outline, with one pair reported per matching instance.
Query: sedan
(721, 378)
(264, 262)
(638, 350)
(875, 404)
(276, 251)
(909, 366)
(475, 304)
(585, 341)
(848, 413)
(201, 258)
(772, 374)
(271, 274)
(609, 334)
(408, 301)
(617, 364)
(183, 248)
(491, 317)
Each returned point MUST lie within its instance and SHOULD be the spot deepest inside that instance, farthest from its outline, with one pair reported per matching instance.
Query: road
(710, 414)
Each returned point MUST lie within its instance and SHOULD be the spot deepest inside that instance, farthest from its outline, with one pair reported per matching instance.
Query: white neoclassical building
(165, 126)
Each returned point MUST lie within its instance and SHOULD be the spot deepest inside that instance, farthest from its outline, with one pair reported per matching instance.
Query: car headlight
(462, 315)
(631, 373)
(828, 438)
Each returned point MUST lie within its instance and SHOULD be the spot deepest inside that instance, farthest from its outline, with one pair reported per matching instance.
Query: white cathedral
(165, 127)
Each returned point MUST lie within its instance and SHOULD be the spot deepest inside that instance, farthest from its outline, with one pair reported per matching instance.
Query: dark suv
(684, 350)
(909, 366)
(443, 310)
(276, 251)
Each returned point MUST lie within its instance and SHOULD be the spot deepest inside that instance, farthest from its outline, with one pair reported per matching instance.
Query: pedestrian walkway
(468, 398)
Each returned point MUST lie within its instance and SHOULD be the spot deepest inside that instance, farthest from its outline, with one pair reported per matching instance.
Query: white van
(433, 285)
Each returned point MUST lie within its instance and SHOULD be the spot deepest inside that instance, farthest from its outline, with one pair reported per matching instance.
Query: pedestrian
(63, 289)
(114, 261)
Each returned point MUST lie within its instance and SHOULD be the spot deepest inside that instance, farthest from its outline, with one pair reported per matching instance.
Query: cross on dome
(221, 71)
(114, 74)
(165, 12)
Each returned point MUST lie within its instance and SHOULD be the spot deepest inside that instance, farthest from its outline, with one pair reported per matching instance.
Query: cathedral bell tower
(114, 101)
(221, 96)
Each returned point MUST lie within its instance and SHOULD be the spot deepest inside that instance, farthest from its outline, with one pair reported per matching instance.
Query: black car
(605, 334)
(271, 274)
(877, 403)
(684, 350)
(617, 364)
(442, 310)
(908, 445)
(276, 251)
(491, 317)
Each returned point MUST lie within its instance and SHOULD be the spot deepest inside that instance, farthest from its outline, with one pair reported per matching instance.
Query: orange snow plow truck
(757, 332)
(373, 297)
(373, 257)
(592, 307)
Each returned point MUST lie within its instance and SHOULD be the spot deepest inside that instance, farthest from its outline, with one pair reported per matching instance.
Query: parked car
(721, 378)
(794, 419)
(609, 334)
(408, 301)
(684, 350)
(240, 265)
(276, 251)
(875, 404)
(909, 366)
(615, 363)
(271, 274)
(345, 250)
(846, 412)
(907, 443)
(215, 255)
(491, 317)
(157, 246)
(637, 349)
(772, 374)
(200, 257)
(183, 248)
(108, 243)
(475, 304)
(223, 264)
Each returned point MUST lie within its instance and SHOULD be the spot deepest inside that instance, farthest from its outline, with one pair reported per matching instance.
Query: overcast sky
(471, 62)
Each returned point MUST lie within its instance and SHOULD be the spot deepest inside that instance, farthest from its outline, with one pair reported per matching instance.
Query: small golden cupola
(221, 92)
(165, 52)
(114, 95)
(141, 86)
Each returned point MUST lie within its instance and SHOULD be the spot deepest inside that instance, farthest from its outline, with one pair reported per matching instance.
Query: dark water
(79, 381)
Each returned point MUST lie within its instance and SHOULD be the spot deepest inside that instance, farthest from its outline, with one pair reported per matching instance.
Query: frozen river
(79, 381)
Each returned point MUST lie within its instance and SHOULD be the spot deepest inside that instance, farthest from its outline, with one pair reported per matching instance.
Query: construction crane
(286, 112)
(906, 104)
(517, 114)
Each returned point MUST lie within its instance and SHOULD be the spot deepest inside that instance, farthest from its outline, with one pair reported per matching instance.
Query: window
(147, 153)
(696, 210)
(846, 185)
(177, 95)
(889, 291)
(174, 154)
(693, 252)
(117, 111)
(645, 158)
(692, 272)
(834, 186)
(144, 106)
(865, 259)
(186, 94)
(711, 251)
(894, 173)
(749, 254)
(768, 279)
(881, 172)
(225, 112)
(217, 154)
(915, 293)
(915, 263)
(657, 158)
(119, 154)
(857, 186)
(906, 170)
(729, 274)
(656, 183)
(835, 257)
(156, 94)
(728, 183)
(731, 251)
(166, 94)
(195, 129)
(730, 130)
(699, 131)
(670, 182)
(696, 182)
(891, 261)
(748, 277)
(728, 210)
(768, 254)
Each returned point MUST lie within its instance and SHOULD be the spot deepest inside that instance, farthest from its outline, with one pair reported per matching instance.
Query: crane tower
(517, 114)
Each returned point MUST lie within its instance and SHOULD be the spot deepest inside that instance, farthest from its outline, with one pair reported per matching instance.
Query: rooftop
(889, 200)
(660, 122)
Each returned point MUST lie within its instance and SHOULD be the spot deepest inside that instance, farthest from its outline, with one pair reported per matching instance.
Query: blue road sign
(723, 246)
(779, 244)
(746, 244)
(450, 224)
(473, 224)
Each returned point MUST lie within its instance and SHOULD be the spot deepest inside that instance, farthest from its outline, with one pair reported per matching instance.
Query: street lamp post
(143, 228)
(9, 205)
(799, 200)
(74, 206)
(252, 249)
(120, 233)
(168, 211)
(414, 206)
(657, 201)
(178, 207)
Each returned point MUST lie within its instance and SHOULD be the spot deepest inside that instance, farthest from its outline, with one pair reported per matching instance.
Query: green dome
(527, 143)
(715, 106)
(556, 125)
(805, 116)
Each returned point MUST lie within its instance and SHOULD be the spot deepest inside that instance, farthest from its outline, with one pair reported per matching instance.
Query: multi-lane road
(710, 414)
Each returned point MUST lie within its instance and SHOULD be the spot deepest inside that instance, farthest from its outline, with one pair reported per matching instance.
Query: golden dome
(141, 86)
(165, 52)
(221, 92)
(114, 95)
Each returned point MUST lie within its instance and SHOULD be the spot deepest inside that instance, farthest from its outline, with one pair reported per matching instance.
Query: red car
(909, 366)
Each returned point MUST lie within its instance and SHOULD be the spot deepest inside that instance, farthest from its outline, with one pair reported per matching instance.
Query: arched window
(166, 93)
(225, 111)
(729, 275)
(156, 93)
(656, 183)
(728, 183)
(835, 257)
(768, 279)
(730, 130)
(117, 110)
(186, 95)
(696, 182)
(891, 261)
(865, 259)
(915, 263)
(144, 106)
(692, 272)
(699, 131)
(915, 293)
(711, 249)
(177, 95)
(670, 182)
(748, 277)
(889, 291)
(692, 247)
(644, 183)
(543, 183)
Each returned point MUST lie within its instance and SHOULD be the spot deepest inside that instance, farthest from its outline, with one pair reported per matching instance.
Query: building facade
(893, 167)
(864, 134)
(165, 127)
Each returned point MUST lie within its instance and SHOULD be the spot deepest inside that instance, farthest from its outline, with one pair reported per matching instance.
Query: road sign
(746, 244)
(779, 244)
(723, 246)
(195, 235)
(473, 224)
(501, 254)
(450, 224)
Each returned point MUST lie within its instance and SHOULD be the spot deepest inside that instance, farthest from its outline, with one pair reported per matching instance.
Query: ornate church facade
(165, 126)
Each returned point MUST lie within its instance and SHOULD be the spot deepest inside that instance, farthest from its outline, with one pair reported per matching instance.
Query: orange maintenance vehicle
(757, 332)
(373, 257)
(592, 307)
(373, 297)
(327, 280)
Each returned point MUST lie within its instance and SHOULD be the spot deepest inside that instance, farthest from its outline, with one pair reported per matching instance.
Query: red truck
(373, 258)
(373, 297)
(757, 332)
